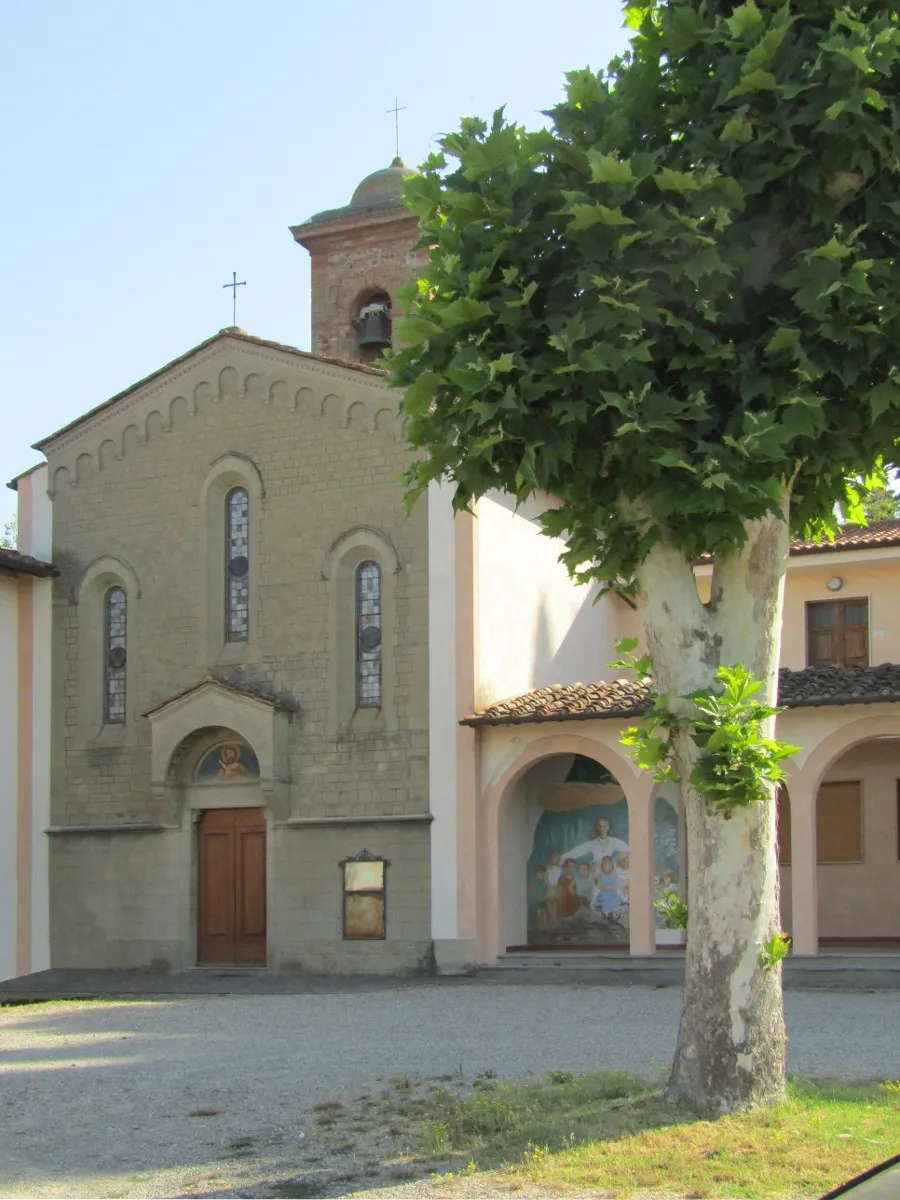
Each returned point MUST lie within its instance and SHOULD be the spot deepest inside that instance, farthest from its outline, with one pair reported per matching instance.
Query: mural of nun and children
(585, 887)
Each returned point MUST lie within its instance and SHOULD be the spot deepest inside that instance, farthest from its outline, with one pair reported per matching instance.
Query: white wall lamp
(835, 583)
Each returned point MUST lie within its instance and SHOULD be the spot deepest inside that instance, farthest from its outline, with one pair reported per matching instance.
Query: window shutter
(839, 826)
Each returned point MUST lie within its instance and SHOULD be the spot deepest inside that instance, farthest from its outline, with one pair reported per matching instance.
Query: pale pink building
(539, 774)
(25, 606)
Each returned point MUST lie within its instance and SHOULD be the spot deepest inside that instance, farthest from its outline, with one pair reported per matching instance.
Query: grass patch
(328, 1106)
(617, 1135)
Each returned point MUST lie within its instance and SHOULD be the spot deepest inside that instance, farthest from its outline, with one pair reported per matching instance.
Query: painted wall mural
(579, 868)
(232, 761)
(667, 866)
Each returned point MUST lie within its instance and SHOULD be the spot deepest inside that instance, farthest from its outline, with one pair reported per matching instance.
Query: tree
(675, 310)
(10, 536)
(880, 504)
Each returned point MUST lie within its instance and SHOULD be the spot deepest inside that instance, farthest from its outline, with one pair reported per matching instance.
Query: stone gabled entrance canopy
(261, 720)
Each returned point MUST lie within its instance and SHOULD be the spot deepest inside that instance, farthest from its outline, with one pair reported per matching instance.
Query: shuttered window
(839, 822)
(837, 633)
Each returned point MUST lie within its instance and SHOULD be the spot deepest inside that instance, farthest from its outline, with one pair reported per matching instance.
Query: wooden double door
(231, 887)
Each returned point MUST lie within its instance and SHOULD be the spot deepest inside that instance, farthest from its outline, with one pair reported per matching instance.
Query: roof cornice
(196, 355)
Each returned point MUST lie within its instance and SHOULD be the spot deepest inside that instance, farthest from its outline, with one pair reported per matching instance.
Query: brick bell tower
(360, 254)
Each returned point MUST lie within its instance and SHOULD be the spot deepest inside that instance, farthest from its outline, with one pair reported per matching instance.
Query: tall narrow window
(115, 647)
(237, 565)
(368, 635)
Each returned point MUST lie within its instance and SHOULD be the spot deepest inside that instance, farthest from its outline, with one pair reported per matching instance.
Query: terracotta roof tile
(566, 702)
(623, 699)
(24, 564)
(853, 537)
(874, 536)
(815, 686)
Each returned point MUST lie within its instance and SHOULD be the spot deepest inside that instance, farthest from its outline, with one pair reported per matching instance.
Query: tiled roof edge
(879, 684)
(24, 564)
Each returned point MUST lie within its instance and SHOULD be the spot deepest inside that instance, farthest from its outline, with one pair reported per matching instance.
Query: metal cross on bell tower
(397, 110)
(234, 285)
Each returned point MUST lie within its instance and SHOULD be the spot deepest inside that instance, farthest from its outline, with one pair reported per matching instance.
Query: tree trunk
(731, 1044)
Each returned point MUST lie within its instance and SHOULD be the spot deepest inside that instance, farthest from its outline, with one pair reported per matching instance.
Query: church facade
(240, 652)
(294, 727)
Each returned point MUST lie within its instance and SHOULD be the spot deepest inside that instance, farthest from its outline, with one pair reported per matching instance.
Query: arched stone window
(115, 654)
(237, 565)
(232, 499)
(368, 635)
(107, 602)
(361, 569)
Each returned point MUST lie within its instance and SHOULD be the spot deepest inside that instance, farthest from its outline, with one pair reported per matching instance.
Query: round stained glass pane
(239, 566)
(117, 657)
(371, 637)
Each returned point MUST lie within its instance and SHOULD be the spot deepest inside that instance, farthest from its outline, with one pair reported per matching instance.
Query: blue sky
(152, 149)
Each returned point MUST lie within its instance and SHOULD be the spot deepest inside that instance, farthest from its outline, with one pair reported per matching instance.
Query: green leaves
(738, 766)
(583, 216)
(676, 293)
(832, 250)
(884, 396)
(745, 19)
(773, 950)
(668, 180)
(462, 311)
(737, 129)
(637, 12)
(672, 909)
(606, 168)
(783, 339)
(754, 81)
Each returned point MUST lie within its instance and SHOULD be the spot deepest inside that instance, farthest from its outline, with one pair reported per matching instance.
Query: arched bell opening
(565, 862)
(373, 325)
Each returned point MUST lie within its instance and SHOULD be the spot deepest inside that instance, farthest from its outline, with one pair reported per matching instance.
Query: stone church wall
(139, 502)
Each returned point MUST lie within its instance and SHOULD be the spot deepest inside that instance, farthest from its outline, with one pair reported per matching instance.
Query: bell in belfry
(374, 324)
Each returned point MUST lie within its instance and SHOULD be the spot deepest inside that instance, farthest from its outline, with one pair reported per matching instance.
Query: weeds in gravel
(610, 1130)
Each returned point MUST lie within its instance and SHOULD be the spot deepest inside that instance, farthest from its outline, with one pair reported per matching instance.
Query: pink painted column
(641, 853)
(804, 869)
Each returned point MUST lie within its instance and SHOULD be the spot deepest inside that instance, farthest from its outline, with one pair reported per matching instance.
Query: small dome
(382, 187)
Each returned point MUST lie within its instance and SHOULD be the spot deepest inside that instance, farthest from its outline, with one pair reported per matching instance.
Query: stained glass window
(237, 565)
(115, 653)
(368, 636)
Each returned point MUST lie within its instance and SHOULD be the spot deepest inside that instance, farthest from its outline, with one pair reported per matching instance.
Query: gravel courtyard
(210, 1095)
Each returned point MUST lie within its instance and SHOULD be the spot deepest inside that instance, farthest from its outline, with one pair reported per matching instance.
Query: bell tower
(360, 254)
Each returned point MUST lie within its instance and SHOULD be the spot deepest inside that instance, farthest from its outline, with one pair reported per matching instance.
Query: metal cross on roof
(397, 110)
(234, 285)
